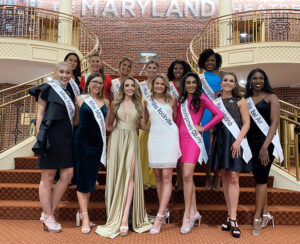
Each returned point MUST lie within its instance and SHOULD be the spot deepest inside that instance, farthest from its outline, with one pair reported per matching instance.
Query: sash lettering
(75, 87)
(67, 100)
(194, 133)
(264, 127)
(231, 125)
(206, 87)
(173, 90)
(99, 117)
(157, 108)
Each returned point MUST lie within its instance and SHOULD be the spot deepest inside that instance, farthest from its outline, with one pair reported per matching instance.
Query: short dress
(163, 143)
(54, 140)
(88, 146)
(256, 139)
(222, 141)
(189, 149)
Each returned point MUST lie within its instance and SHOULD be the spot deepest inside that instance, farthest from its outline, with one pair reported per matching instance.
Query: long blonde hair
(136, 98)
(167, 94)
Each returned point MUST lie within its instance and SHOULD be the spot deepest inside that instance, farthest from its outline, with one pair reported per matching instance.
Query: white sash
(231, 125)
(157, 108)
(173, 90)
(194, 133)
(115, 86)
(75, 87)
(99, 117)
(206, 87)
(67, 100)
(264, 127)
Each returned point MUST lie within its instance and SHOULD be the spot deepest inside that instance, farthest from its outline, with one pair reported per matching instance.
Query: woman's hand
(199, 128)
(236, 149)
(264, 156)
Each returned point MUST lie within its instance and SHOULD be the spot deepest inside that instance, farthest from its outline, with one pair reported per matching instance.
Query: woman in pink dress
(191, 90)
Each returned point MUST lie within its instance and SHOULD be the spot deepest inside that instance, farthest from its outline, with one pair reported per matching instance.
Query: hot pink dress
(189, 149)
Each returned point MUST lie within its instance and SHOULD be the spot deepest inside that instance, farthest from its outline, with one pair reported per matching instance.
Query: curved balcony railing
(246, 27)
(46, 25)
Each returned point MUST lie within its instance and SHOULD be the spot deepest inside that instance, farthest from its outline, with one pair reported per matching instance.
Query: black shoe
(235, 229)
(226, 225)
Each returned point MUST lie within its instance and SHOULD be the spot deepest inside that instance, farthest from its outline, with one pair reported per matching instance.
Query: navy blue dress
(88, 146)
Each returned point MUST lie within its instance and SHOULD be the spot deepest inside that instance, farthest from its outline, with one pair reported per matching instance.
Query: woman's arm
(144, 120)
(41, 108)
(216, 113)
(78, 103)
(244, 111)
(174, 106)
(275, 116)
(110, 118)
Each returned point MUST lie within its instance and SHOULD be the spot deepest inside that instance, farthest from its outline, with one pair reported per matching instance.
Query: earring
(88, 90)
(250, 86)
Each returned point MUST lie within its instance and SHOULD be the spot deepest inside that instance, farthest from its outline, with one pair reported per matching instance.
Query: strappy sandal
(226, 224)
(235, 230)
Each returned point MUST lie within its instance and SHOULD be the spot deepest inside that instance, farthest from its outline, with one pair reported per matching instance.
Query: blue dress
(88, 146)
(215, 83)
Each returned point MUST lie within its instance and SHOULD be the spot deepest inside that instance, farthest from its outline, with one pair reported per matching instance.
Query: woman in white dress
(163, 143)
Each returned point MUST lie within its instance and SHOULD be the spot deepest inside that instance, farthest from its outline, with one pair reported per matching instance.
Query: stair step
(33, 176)
(29, 192)
(212, 214)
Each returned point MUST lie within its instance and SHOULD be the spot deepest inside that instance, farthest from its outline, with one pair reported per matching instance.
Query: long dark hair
(77, 71)
(184, 64)
(196, 100)
(266, 88)
(205, 55)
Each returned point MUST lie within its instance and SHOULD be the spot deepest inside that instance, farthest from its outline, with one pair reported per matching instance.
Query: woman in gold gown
(124, 183)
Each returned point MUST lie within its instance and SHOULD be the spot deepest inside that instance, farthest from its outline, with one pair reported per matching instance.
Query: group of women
(182, 120)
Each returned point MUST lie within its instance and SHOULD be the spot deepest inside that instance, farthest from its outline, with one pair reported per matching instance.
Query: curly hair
(205, 55)
(136, 98)
(184, 64)
(196, 100)
(167, 94)
(89, 79)
(77, 71)
(236, 92)
(266, 88)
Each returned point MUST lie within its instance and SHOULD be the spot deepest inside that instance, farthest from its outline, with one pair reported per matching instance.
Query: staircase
(19, 198)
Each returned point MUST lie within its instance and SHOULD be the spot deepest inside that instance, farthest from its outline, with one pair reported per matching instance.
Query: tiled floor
(22, 231)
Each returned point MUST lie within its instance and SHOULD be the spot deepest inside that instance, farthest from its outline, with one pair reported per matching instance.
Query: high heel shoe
(42, 218)
(186, 230)
(256, 227)
(79, 219)
(84, 230)
(51, 226)
(194, 218)
(157, 231)
(266, 219)
(235, 230)
(167, 216)
(124, 230)
(226, 224)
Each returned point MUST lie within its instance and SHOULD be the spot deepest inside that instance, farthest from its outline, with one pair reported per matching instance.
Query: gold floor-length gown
(123, 143)
(148, 173)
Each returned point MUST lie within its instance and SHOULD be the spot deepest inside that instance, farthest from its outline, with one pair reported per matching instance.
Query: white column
(225, 23)
(65, 22)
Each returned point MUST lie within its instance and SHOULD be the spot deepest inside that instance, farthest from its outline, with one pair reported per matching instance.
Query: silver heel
(194, 218)
(269, 218)
(167, 216)
(78, 218)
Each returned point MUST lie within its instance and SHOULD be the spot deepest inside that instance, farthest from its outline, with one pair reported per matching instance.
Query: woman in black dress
(88, 144)
(55, 112)
(258, 88)
(226, 152)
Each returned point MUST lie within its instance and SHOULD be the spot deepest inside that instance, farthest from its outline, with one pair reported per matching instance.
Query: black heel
(226, 225)
(234, 229)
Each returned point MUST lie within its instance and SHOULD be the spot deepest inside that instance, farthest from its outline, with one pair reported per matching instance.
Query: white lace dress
(163, 143)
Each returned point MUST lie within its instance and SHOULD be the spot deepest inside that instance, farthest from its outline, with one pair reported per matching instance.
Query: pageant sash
(173, 90)
(157, 108)
(232, 126)
(264, 127)
(67, 100)
(75, 87)
(206, 87)
(194, 133)
(115, 86)
(99, 117)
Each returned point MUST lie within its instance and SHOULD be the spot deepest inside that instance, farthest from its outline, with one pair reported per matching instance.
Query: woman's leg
(83, 200)
(129, 193)
(261, 200)
(61, 186)
(159, 184)
(45, 191)
(165, 195)
(233, 192)
(225, 178)
(188, 184)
